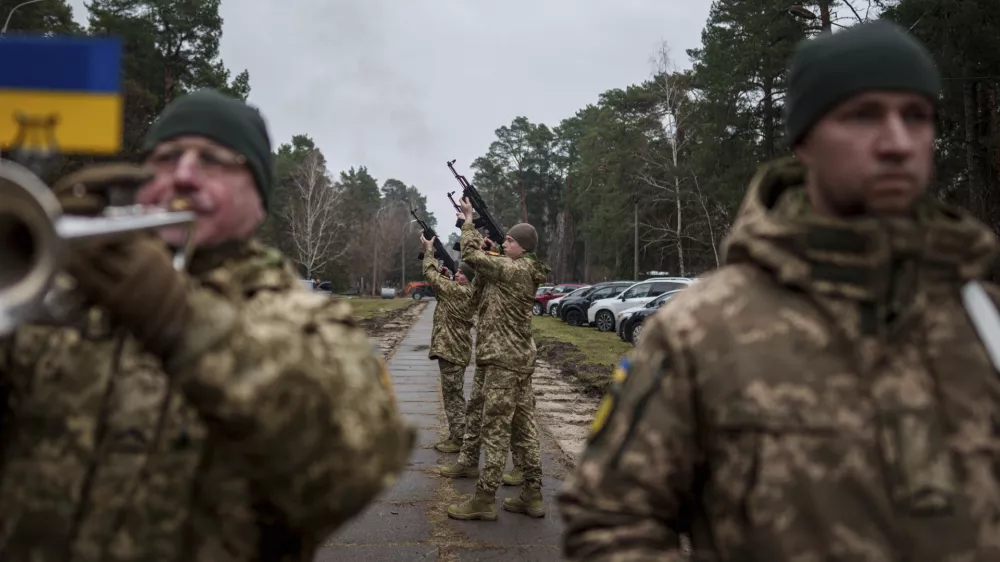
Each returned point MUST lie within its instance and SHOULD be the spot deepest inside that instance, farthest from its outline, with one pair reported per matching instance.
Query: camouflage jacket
(507, 291)
(273, 426)
(823, 396)
(451, 337)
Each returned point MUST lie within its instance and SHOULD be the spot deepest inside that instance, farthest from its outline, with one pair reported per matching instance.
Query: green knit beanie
(524, 234)
(470, 273)
(225, 120)
(829, 69)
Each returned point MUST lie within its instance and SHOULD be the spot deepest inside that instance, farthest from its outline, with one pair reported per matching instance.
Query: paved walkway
(408, 522)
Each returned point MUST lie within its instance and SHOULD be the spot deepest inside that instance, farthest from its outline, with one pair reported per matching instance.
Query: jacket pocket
(785, 481)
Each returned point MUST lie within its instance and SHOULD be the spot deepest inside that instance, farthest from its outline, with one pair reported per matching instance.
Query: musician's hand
(466, 204)
(427, 244)
(134, 279)
(89, 190)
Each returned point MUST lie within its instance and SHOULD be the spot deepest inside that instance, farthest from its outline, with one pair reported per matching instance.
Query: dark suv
(573, 310)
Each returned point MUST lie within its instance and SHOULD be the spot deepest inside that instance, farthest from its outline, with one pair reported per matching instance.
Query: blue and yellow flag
(610, 399)
(75, 80)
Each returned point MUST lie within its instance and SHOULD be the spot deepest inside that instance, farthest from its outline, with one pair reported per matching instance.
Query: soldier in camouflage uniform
(825, 394)
(451, 340)
(505, 352)
(468, 459)
(225, 413)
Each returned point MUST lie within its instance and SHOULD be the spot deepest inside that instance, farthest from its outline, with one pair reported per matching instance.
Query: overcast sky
(404, 86)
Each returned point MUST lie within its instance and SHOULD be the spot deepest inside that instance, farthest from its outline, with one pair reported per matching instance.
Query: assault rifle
(439, 251)
(485, 219)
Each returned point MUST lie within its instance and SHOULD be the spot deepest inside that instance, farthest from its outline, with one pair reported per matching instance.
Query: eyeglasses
(209, 161)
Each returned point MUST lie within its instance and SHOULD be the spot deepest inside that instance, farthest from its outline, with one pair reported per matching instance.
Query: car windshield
(580, 292)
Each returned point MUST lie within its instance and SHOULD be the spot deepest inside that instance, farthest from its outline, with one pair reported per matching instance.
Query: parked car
(573, 308)
(552, 308)
(632, 318)
(602, 312)
(559, 290)
(321, 287)
(542, 288)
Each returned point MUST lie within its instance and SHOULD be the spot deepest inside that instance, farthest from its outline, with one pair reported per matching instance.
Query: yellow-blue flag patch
(73, 83)
(610, 400)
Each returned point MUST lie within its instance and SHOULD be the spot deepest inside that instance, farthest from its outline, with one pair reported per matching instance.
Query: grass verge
(579, 351)
(366, 309)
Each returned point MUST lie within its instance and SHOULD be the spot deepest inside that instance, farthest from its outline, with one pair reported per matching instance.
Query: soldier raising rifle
(451, 339)
(505, 353)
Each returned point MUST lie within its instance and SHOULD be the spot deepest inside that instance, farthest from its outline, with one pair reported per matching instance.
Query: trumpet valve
(179, 205)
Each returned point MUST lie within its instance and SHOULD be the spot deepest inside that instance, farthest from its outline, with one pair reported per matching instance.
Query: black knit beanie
(225, 120)
(829, 69)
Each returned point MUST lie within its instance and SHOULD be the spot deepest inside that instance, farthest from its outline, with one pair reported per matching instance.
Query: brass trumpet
(35, 236)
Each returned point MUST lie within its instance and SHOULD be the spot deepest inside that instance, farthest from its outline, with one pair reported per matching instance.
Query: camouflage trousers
(472, 440)
(508, 402)
(452, 381)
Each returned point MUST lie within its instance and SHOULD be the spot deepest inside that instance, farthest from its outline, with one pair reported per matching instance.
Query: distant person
(505, 351)
(221, 413)
(824, 395)
(451, 339)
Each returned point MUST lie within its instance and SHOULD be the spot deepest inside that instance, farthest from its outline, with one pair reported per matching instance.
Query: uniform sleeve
(432, 274)
(477, 291)
(489, 267)
(624, 500)
(299, 400)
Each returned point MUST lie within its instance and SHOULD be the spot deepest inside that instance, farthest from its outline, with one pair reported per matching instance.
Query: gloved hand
(89, 190)
(134, 279)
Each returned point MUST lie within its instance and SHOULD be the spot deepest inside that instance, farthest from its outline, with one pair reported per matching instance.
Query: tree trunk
(972, 198)
(635, 237)
(168, 84)
(768, 121)
(680, 225)
(524, 200)
(375, 270)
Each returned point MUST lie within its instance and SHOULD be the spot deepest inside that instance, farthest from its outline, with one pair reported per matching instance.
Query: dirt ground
(388, 329)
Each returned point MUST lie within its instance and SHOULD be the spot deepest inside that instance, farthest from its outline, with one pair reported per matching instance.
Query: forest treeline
(648, 177)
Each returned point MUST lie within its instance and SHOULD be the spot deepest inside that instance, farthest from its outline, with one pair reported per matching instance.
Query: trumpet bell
(35, 236)
(30, 252)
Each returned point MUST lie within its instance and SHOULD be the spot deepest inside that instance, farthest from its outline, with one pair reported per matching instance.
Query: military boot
(459, 470)
(529, 503)
(448, 446)
(513, 478)
(480, 506)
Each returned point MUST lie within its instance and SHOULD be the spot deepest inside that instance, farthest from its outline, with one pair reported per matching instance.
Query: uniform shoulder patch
(610, 400)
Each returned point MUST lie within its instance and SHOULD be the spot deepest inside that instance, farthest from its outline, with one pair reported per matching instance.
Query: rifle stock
(485, 220)
(439, 252)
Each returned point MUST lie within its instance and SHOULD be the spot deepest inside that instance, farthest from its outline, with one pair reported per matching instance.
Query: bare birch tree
(664, 170)
(313, 214)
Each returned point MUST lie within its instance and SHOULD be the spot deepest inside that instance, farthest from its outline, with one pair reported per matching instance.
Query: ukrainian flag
(76, 80)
